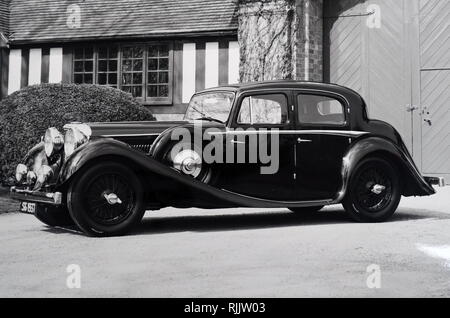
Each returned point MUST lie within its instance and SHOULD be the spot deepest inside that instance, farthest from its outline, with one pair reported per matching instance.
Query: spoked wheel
(311, 209)
(374, 191)
(106, 200)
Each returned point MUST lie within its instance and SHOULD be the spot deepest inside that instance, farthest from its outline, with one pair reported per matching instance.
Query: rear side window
(317, 109)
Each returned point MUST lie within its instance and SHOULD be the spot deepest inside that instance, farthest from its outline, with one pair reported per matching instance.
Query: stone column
(280, 39)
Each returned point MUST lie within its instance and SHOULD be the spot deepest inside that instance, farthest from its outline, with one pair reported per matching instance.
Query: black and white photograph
(220, 155)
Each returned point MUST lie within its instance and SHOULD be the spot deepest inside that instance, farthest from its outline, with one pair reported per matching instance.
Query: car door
(322, 139)
(268, 116)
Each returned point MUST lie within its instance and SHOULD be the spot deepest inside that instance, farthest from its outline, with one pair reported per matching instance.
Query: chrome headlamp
(76, 135)
(21, 171)
(53, 141)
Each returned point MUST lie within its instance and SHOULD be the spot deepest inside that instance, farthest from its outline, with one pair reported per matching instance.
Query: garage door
(373, 60)
(435, 85)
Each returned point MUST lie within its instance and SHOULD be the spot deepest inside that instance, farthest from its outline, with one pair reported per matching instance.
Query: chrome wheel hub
(112, 199)
(378, 189)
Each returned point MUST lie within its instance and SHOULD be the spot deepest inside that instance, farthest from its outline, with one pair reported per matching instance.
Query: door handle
(237, 142)
(300, 140)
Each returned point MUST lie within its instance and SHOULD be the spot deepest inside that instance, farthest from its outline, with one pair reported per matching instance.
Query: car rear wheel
(53, 216)
(311, 209)
(106, 200)
(374, 191)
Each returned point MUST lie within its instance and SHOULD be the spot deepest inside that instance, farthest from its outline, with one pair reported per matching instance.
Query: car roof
(284, 84)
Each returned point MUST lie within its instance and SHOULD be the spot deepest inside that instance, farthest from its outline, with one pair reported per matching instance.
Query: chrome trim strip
(345, 133)
(129, 135)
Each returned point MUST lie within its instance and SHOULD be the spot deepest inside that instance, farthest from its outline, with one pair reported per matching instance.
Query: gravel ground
(235, 253)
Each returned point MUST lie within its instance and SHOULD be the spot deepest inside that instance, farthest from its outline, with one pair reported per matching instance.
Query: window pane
(126, 65)
(163, 90)
(163, 77)
(88, 79)
(112, 78)
(113, 52)
(152, 91)
(126, 89)
(102, 78)
(137, 65)
(153, 51)
(102, 66)
(88, 66)
(137, 78)
(127, 52)
(78, 66)
(138, 52)
(152, 64)
(113, 66)
(89, 53)
(153, 77)
(103, 52)
(264, 109)
(315, 109)
(78, 78)
(164, 50)
(163, 64)
(126, 78)
(137, 91)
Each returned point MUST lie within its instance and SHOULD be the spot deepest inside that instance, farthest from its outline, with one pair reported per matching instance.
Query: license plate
(27, 207)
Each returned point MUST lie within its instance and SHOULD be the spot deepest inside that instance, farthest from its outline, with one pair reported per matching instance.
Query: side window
(264, 109)
(315, 109)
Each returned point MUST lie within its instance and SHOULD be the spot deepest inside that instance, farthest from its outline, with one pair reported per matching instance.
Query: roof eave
(232, 31)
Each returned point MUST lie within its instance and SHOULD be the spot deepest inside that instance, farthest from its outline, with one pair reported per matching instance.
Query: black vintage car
(298, 145)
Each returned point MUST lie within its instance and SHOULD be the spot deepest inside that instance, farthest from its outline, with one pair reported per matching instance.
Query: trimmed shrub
(26, 114)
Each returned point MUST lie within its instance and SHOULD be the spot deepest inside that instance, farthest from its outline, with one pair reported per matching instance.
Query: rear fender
(414, 183)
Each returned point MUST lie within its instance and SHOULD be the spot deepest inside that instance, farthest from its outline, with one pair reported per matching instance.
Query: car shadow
(252, 221)
(263, 220)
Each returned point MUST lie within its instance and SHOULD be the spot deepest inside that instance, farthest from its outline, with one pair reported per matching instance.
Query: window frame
(235, 123)
(145, 100)
(339, 98)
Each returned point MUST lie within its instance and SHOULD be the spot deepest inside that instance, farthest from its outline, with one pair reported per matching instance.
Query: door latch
(411, 108)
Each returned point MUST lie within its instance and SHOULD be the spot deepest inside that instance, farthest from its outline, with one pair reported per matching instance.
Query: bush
(26, 114)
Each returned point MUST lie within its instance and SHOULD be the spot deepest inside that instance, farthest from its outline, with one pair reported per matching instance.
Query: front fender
(96, 149)
(415, 184)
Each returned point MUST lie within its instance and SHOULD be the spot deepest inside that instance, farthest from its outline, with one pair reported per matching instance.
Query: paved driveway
(236, 253)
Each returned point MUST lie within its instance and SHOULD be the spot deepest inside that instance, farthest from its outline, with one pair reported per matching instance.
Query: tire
(365, 201)
(93, 212)
(53, 216)
(310, 209)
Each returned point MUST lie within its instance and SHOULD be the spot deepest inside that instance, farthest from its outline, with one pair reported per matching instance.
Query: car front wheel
(53, 216)
(374, 191)
(106, 200)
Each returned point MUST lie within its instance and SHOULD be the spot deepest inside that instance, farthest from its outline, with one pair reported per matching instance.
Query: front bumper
(51, 198)
(439, 181)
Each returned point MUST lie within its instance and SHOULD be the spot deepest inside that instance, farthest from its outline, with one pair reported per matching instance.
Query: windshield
(213, 106)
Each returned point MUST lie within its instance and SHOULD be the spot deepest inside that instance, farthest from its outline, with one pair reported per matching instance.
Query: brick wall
(309, 49)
